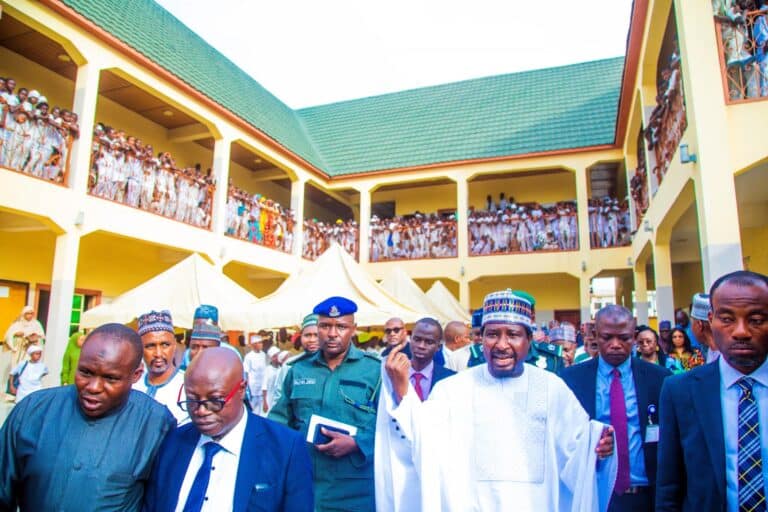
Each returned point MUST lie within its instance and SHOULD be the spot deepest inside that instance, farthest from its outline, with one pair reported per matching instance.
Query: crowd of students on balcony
(414, 236)
(668, 119)
(259, 220)
(318, 236)
(744, 33)
(125, 170)
(35, 138)
(508, 227)
(609, 223)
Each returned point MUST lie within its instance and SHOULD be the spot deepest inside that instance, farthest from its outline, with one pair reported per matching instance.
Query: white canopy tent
(334, 273)
(444, 300)
(399, 284)
(180, 289)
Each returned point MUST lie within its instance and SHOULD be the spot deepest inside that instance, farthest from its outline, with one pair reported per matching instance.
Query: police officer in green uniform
(341, 383)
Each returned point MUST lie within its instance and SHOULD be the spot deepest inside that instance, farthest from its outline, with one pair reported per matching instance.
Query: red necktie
(619, 423)
(417, 378)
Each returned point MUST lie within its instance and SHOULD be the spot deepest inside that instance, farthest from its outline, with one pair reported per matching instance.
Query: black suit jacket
(648, 378)
(692, 450)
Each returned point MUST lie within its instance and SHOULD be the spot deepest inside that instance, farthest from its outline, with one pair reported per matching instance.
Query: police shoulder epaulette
(300, 357)
(550, 348)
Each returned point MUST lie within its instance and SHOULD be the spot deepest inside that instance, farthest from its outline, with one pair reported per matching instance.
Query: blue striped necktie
(751, 485)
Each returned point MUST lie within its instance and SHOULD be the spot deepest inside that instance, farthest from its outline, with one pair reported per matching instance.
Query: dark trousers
(640, 502)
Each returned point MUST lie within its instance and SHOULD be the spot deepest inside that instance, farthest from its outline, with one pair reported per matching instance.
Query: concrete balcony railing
(259, 220)
(127, 172)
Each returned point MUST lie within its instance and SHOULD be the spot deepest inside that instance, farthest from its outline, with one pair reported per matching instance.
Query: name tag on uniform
(304, 381)
(652, 434)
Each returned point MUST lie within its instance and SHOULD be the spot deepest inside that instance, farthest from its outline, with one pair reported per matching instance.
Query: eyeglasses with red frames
(211, 404)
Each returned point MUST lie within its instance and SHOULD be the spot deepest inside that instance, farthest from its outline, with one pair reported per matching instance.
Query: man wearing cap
(206, 333)
(700, 309)
(162, 380)
(340, 383)
(500, 436)
(268, 383)
(310, 344)
(622, 390)
(564, 336)
(255, 364)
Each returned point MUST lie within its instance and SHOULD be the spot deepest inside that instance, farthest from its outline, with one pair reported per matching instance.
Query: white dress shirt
(221, 487)
(729, 402)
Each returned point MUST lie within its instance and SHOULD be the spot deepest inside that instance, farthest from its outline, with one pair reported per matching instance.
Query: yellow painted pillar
(464, 297)
(462, 237)
(641, 293)
(298, 190)
(582, 204)
(707, 136)
(585, 296)
(662, 271)
(462, 226)
(364, 224)
(86, 96)
(221, 154)
(60, 304)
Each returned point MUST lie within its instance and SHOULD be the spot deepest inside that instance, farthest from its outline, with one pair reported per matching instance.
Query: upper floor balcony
(742, 29)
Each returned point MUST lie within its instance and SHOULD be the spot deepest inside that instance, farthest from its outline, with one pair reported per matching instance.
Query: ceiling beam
(189, 133)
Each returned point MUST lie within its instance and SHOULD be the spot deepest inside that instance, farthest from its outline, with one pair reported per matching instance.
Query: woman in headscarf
(23, 333)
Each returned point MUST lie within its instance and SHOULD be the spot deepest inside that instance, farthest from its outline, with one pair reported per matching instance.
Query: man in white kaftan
(487, 440)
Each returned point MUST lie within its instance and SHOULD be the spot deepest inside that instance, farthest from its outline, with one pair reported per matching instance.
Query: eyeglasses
(390, 330)
(212, 404)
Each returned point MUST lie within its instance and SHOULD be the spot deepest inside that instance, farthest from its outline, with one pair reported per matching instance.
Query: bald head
(456, 335)
(215, 375)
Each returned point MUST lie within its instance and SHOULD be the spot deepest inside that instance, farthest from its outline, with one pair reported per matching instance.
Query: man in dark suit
(228, 458)
(624, 391)
(714, 419)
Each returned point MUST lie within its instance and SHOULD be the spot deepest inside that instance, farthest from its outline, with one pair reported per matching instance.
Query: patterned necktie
(417, 378)
(199, 487)
(751, 485)
(619, 423)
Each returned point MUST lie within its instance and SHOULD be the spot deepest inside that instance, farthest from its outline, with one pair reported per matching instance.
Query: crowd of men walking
(498, 415)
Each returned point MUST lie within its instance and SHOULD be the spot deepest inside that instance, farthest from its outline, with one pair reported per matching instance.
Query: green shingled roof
(157, 34)
(556, 108)
(548, 109)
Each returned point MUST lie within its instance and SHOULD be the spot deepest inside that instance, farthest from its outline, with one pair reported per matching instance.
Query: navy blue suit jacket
(692, 450)
(274, 472)
(648, 378)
